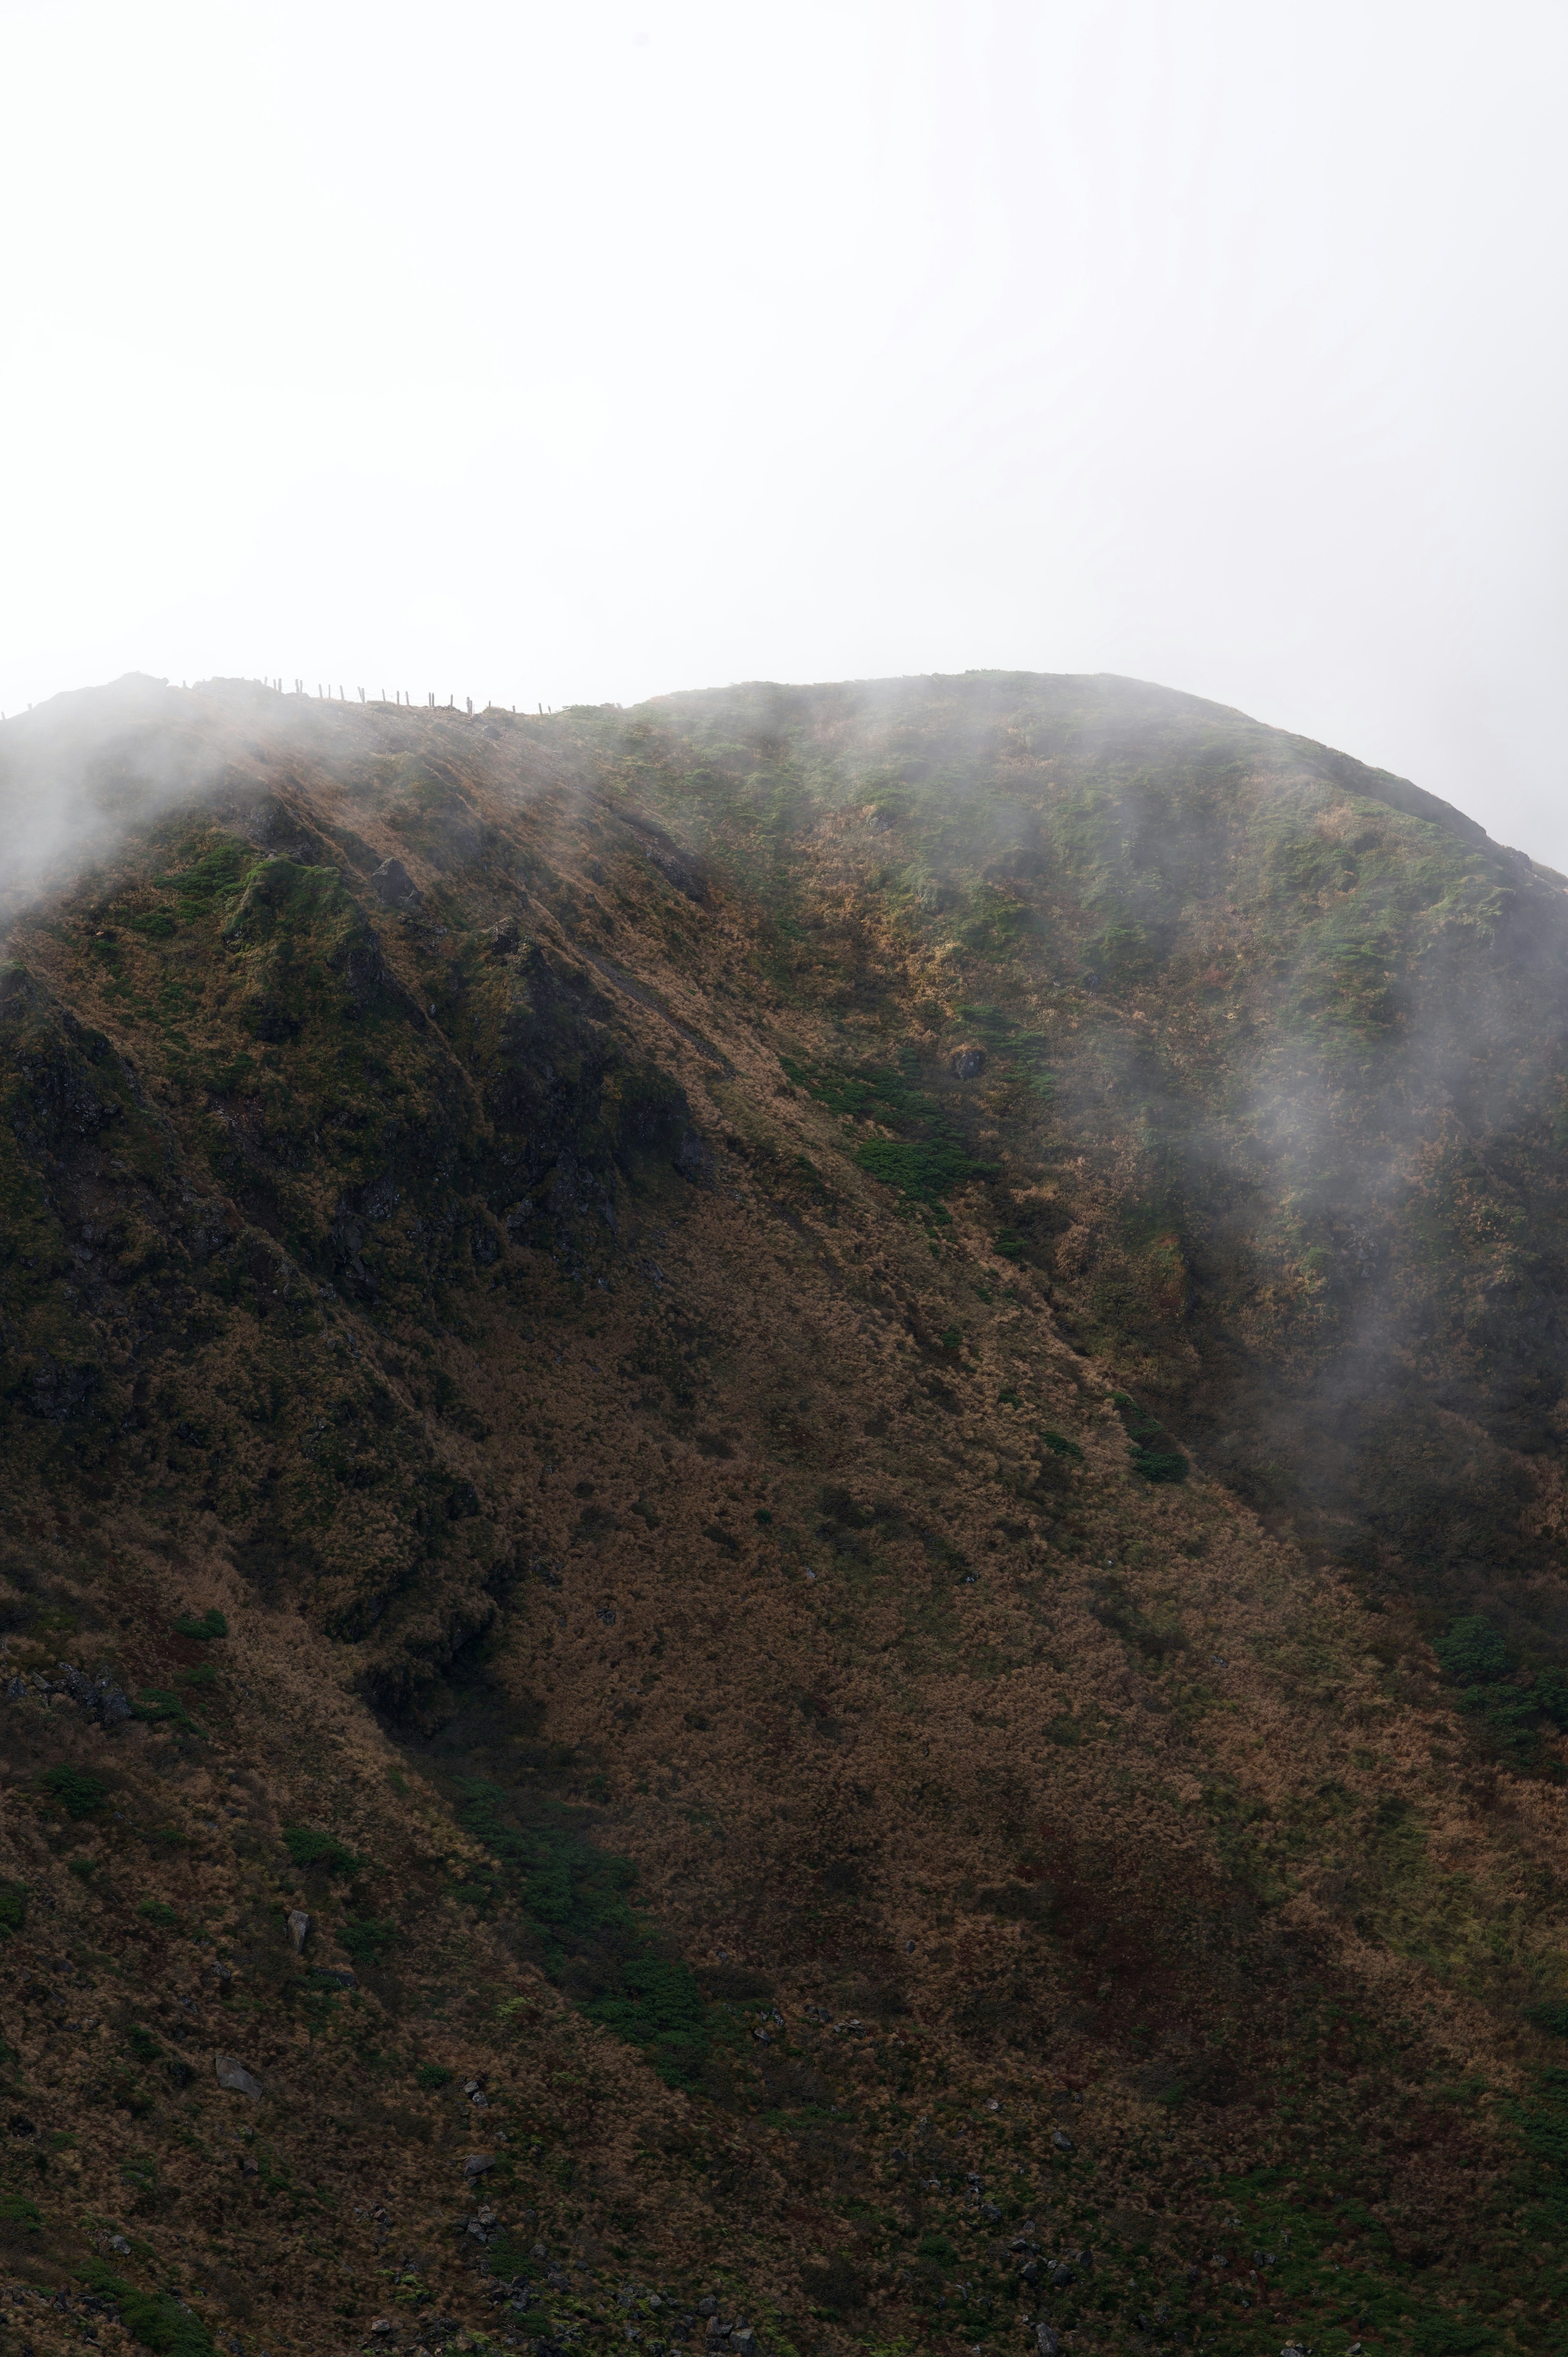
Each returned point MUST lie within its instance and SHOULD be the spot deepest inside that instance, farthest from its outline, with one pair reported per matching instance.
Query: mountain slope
(867, 1379)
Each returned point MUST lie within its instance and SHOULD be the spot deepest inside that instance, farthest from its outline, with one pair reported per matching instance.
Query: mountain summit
(784, 1528)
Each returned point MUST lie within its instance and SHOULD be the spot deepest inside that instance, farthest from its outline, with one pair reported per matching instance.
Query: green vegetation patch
(205, 1625)
(927, 1157)
(365, 1939)
(75, 1789)
(161, 1704)
(13, 1908)
(155, 2319)
(1155, 1457)
(217, 876)
(1515, 1706)
(923, 1172)
(306, 1847)
(574, 1899)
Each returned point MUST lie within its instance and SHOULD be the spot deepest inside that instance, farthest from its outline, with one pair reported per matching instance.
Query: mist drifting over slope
(817, 1433)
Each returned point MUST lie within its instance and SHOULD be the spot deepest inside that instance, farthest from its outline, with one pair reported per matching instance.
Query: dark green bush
(1160, 1464)
(1472, 1651)
(1156, 1456)
(203, 1625)
(1550, 2016)
(13, 1908)
(364, 1939)
(658, 2007)
(160, 1704)
(1509, 1707)
(308, 1848)
(1060, 1446)
(433, 2074)
(922, 1172)
(76, 1790)
(155, 2319)
(142, 2042)
(158, 1912)
(16, 2210)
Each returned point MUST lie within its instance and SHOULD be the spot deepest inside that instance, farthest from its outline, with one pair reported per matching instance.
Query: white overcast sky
(582, 350)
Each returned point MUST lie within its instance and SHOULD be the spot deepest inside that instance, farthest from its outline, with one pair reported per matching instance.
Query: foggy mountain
(784, 1526)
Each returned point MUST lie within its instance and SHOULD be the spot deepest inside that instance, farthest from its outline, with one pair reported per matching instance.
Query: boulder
(395, 887)
(235, 2077)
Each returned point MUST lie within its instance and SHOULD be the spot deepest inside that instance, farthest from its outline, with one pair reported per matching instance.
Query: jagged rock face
(921, 1323)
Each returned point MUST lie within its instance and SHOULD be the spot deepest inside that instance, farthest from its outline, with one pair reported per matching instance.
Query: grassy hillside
(832, 1416)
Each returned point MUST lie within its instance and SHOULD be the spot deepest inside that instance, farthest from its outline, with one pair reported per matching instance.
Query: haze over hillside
(834, 1416)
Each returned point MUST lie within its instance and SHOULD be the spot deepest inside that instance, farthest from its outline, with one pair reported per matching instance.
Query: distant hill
(835, 1415)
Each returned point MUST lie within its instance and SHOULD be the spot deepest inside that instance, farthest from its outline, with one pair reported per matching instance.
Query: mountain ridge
(869, 1380)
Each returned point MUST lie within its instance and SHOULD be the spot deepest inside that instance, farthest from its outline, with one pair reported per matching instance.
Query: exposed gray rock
(393, 885)
(236, 2078)
(477, 2163)
(967, 1063)
(298, 1929)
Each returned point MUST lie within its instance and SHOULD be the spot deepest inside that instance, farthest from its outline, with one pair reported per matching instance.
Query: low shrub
(205, 1625)
(1060, 1446)
(155, 2319)
(922, 1172)
(75, 1789)
(364, 1939)
(1471, 1651)
(306, 1847)
(1156, 1456)
(161, 1704)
